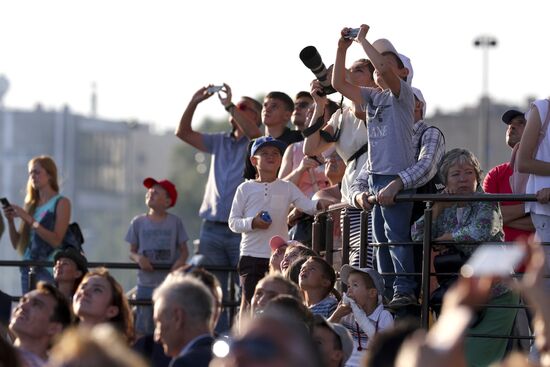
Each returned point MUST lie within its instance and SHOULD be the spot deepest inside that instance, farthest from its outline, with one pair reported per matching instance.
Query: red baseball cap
(277, 241)
(166, 184)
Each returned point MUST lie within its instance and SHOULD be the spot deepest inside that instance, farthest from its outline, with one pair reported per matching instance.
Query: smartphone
(493, 259)
(352, 33)
(215, 88)
(5, 202)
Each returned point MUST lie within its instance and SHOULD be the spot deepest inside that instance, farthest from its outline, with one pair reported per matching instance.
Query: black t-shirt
(290, 136)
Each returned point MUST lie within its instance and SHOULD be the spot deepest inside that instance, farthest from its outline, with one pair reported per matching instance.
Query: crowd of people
(263, 189)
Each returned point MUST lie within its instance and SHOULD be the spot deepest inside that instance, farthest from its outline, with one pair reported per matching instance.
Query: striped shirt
(429, 152)
(430, 148)
(380, 319)
(325, 307)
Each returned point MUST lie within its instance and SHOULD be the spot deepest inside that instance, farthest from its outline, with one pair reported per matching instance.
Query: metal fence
(323, 243)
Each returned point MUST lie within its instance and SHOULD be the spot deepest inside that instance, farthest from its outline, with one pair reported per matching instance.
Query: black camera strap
(310, 130)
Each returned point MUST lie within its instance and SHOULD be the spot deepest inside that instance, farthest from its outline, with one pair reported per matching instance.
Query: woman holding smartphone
(44, 219)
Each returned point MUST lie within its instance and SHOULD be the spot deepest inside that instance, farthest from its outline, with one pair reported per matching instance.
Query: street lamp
(485, 42)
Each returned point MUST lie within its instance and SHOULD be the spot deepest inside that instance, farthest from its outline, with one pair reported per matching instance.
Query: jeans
(41, 274)
(220, 246)
(144, 324)
(392, 224)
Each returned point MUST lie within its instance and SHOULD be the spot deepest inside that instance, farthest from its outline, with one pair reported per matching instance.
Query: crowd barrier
(323, 243)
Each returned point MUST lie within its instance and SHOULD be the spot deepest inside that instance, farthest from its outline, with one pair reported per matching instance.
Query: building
(101, 166)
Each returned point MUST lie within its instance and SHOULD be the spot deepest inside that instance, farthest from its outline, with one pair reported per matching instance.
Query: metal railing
(230, 303)
(323, 241)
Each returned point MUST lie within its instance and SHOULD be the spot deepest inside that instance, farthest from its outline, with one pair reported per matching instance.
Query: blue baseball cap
(265, 141)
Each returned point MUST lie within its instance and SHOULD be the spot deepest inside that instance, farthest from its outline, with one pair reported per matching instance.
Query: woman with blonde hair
(100, 299)
(44, 218)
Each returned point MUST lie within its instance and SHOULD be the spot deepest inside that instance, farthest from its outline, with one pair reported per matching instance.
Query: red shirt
(497, 181)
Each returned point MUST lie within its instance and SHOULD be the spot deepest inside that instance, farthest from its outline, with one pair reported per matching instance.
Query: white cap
(418, 94)
(407, 63)
(383, 45)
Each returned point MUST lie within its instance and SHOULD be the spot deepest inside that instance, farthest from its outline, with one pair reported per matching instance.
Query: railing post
(232, 297)
(345, 237)
(329, 240)
(317, 234)
(32, 278)
(364, 239)
(426, 259)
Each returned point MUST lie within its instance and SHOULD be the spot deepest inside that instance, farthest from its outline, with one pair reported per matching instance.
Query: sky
(148, 58)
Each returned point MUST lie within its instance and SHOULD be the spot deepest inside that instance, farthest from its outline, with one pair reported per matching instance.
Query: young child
(361, 310)
(156, 237)
(278, 246)
(390, 121)
(317, 280)
(334, 341)
(253, 198)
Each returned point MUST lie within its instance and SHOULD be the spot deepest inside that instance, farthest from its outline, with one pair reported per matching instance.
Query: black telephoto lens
(311, 58)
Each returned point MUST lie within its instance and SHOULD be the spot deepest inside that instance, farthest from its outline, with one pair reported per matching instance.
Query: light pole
(485, 42)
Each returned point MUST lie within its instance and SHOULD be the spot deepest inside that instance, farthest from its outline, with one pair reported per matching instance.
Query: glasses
(301, 105)
(243, 108)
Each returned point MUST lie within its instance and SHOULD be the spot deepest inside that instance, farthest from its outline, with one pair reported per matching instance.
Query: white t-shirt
(535, 182)
(274, 197)
(353, 135)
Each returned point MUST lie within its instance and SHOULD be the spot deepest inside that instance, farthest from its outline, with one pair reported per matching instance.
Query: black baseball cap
(509, 115)
(75, 255)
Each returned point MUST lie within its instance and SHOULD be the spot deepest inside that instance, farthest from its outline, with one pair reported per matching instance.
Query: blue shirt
(226, 171)
(39, 249)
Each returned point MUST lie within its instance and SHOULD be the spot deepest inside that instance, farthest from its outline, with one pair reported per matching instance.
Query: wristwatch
(35, 224)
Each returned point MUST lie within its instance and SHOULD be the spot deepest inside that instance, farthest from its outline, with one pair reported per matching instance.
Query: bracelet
(230, 107)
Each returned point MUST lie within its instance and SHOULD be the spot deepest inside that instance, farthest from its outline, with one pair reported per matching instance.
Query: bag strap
(359, 152)
(419, 147)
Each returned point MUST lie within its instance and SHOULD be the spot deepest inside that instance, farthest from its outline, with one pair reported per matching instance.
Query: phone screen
(5, 202)
(493, 259)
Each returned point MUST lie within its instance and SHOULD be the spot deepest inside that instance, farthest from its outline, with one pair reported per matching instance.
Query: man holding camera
(346, 130)
(218, 244)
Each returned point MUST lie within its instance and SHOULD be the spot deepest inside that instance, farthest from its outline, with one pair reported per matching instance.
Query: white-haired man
(182, 312)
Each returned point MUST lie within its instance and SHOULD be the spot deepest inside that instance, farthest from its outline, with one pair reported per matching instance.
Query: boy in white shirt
(252, 200)
(361, 310)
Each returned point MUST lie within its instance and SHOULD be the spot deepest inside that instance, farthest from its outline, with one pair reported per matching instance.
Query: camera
(311, 58)
(352, 33)
(215, 88)
(265, 216)
(5, 202)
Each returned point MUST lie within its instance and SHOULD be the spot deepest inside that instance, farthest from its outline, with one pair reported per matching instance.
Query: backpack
(73, 236)
(518, 180)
